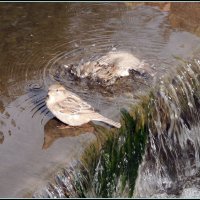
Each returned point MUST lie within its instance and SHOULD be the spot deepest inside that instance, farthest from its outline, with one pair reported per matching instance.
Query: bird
(111, 66)
(70, 109)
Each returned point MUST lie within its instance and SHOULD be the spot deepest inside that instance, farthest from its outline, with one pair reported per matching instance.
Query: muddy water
(37, 40)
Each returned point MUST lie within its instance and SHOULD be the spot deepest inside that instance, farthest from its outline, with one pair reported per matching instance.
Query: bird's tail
(108, 121)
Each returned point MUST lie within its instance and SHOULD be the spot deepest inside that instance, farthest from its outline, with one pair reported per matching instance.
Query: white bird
(71, 109)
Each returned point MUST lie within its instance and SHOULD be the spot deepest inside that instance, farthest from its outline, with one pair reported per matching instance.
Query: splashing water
(172, 157)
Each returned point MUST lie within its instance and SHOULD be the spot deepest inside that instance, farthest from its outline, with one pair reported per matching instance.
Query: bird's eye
(57, 90)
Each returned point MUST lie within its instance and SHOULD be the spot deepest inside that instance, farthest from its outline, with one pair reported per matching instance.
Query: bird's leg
(63, 126)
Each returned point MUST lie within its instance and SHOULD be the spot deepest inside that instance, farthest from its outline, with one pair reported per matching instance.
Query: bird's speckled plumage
(111, 66)
(71, 109)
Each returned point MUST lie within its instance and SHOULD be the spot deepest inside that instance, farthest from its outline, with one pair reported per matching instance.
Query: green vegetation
(121, 151)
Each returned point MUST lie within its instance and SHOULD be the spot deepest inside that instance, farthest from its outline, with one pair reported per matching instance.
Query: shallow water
(37, 40)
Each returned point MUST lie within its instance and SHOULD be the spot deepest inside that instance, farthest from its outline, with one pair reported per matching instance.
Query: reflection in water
(185, 16)
(164, 6)
(52, 132)
(37, 41)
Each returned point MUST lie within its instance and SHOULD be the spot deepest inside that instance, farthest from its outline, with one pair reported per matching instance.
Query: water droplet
(114, 49)
(190, 104)
(76, 45)
(66, 66)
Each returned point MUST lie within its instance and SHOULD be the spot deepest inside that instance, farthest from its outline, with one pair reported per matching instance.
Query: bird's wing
(74, 105)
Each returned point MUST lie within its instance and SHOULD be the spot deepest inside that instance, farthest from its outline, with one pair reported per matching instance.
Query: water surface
(37, 40)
